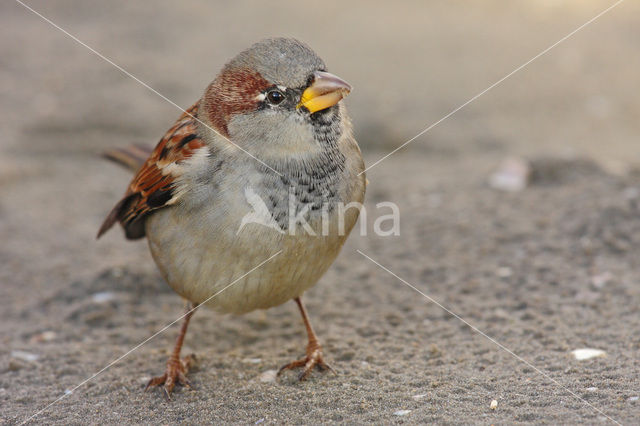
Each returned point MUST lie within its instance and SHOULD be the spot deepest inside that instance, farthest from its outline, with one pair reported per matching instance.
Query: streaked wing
(153, 187)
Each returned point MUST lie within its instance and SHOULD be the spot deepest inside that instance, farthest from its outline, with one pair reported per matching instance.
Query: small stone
(512, 175)
(601, 280)
(252, 360)
(588, 353)
(24, 356)
(45, 336)
(434, 350)
(504, 272)
(103, 297)
(419, 396)
(494, 404)
(633, 398)
(259, 421)
(592, 389)
(401, 412)
(48, 336)
(15, 365)
(268, 376)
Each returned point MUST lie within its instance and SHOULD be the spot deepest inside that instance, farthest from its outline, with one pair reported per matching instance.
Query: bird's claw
(312, 359)
(175, 373)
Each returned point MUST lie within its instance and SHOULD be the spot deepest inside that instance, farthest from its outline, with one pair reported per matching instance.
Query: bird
(271, 131)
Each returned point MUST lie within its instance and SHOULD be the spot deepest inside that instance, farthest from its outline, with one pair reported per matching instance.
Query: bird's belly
(209, 261)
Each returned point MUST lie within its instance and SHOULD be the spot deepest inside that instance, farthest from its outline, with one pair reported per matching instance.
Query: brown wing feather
(131, 157)
(153, 187)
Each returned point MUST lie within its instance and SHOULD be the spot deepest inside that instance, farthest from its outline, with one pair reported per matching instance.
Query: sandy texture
(543, 271)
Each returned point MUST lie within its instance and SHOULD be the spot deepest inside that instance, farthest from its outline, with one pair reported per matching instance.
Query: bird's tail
(131, 157)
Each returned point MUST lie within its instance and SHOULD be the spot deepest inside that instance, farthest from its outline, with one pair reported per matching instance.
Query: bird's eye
(275, 97)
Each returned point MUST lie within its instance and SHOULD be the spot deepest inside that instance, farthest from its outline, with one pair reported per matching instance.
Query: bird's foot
(175, 373)
(312, 359)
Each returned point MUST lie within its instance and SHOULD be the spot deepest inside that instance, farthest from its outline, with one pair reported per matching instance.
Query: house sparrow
(271, 125)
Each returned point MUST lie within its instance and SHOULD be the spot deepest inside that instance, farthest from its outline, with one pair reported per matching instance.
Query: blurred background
(410, 64)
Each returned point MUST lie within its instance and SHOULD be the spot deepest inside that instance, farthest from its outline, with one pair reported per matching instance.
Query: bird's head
(276, 98)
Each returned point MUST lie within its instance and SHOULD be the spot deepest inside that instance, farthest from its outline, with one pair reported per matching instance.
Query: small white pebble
(68, 391)
(401, 412)
(24, 356)
(252, 360)
(504, 272)
(601, 280)
(48, 336)
(592, 389)
(103, 297)
(512, 175)
(494, 404)
(268, 376)
(588, 353)
(45, 336)
(633, 398)
(259, 421)
(420, 396)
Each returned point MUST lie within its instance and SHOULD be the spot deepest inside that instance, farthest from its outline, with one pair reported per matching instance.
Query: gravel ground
(542, 271)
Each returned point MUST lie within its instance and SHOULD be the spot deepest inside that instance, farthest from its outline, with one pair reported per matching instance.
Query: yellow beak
(325, 91)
